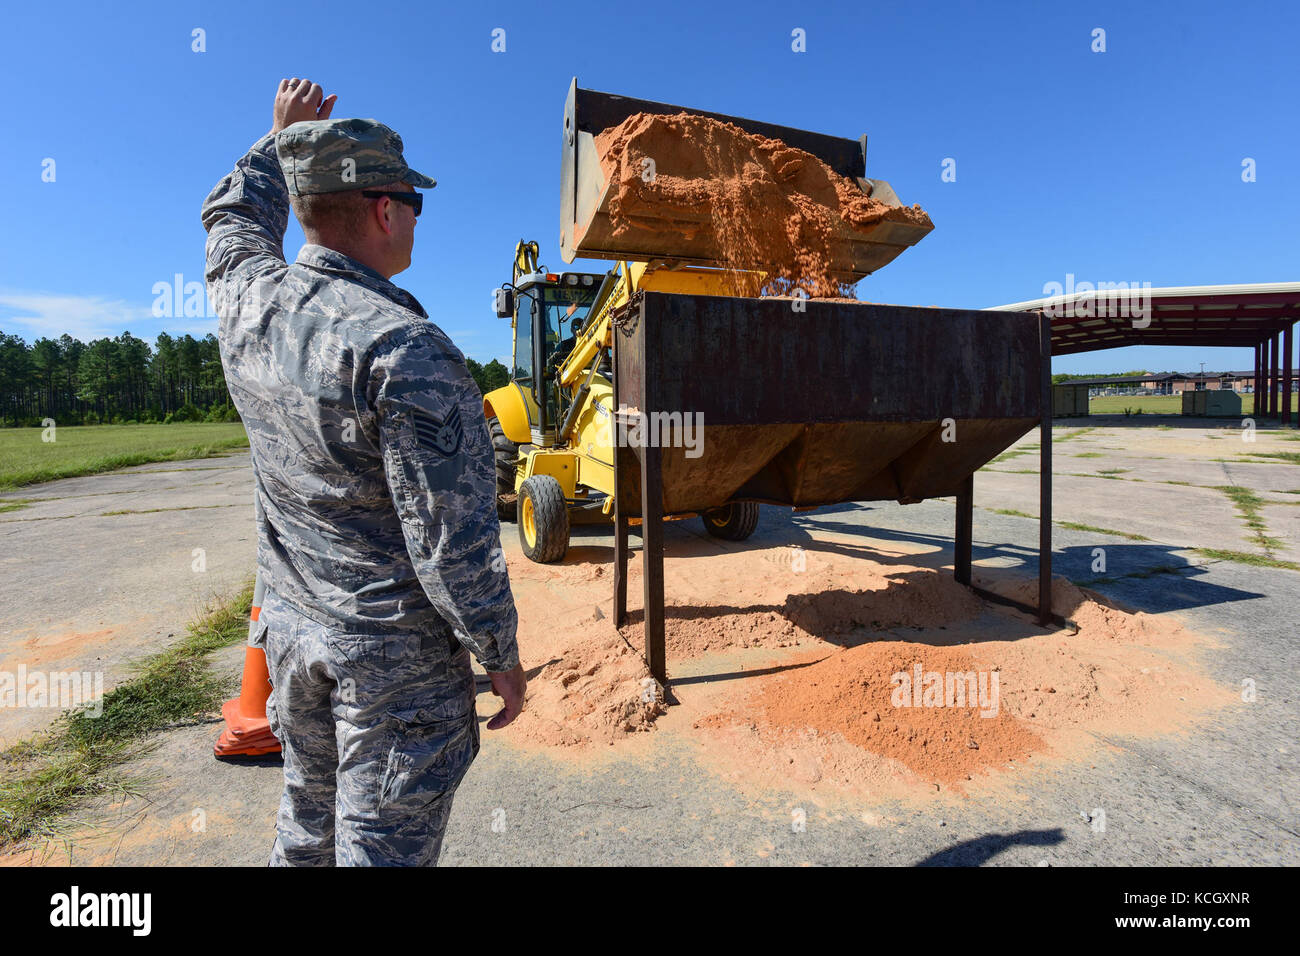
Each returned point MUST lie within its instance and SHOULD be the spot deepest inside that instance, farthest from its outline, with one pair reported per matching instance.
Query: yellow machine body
(583, 461)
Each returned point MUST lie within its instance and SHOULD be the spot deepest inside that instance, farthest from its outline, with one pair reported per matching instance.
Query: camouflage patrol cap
(334, 155)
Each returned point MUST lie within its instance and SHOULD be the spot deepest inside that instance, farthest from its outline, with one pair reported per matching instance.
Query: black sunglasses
(414, 200)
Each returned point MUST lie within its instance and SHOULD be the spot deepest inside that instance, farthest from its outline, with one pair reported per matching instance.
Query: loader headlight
(571, 278)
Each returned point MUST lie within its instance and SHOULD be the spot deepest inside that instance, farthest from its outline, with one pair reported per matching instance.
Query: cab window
(523, 371)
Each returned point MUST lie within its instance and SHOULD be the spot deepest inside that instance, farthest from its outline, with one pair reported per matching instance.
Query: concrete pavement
(1224, 793)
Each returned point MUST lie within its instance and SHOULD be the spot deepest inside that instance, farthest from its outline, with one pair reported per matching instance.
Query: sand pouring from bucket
(587, 229)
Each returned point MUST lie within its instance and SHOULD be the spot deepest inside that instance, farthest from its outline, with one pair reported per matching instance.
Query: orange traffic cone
(247, 732)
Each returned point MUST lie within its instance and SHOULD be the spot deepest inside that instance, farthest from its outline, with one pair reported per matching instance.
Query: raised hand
(297, 100)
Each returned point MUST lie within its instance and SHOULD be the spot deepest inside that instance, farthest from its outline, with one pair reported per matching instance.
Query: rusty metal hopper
(843, 402)
(586, 229)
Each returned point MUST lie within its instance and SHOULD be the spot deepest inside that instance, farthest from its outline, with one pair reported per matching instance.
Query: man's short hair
(340, 214)
(332, 214)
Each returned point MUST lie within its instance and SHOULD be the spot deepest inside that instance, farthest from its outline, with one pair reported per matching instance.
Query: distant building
(1169, 383)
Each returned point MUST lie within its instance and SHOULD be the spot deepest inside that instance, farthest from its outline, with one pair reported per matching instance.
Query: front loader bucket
(586, 228)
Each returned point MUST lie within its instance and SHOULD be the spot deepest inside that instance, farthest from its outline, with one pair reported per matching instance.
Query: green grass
(1248, 404)
(1292, 457)
(1090, 454)
(1147, 573)
(1245, 557)
(1247, 503)
(1071, 525)
(14, 504)
(1147, 405)
(1237, 557)
(81, 756)
(1113, 471)
(1155, 404)
(1075, 526)
(154, 511)
(90, 449)
(1012, 453)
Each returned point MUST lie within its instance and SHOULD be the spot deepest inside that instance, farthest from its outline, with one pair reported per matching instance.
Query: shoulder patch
(440, 436)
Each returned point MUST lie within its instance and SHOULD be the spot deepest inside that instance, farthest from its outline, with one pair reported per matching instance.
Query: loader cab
(549, 310)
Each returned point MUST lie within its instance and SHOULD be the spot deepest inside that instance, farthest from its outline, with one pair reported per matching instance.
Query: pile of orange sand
(862, 696)
(773, 208)
(795, 677)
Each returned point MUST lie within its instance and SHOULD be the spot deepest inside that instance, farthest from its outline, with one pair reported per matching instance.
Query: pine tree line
(121, 379)
(124, 379)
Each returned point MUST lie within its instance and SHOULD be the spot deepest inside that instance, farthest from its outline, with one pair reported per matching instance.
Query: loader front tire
(733, 522)
(543, 519)
(507, 454)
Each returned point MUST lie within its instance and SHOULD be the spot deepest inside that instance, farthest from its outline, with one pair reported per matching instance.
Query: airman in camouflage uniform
(377, 535)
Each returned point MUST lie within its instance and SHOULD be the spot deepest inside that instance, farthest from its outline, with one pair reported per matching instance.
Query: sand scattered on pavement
(825, 648)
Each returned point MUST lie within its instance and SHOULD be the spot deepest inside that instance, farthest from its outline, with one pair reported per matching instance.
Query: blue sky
(1116, 166)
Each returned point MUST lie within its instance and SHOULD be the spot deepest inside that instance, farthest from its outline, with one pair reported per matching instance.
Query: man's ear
(383, 214)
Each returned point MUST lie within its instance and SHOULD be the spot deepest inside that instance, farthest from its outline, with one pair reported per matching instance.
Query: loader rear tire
(543, 519)
(733, 522)
(507, 454)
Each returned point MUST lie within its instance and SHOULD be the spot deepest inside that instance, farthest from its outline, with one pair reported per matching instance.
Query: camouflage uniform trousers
(377, 733)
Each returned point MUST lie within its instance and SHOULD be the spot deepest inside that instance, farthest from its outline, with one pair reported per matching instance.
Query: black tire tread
(506, 453)
(551, 517)
(742, 519)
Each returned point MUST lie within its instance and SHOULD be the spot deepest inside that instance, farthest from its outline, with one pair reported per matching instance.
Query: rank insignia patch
(441, 436)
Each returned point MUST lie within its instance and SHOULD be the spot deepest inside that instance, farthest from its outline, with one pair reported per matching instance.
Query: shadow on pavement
(982, 849)
(1142, 576)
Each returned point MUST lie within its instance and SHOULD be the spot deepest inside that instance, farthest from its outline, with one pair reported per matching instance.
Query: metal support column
(1287, 370)
(1261, 384)
(1272, 376)
(1255, 386)
(620, 507)
(961, 552)
(652, 557)
(1261, 387)
(1265, 377)
(1045, 474)
(620, 566)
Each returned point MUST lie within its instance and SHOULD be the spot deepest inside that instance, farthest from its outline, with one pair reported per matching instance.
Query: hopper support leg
(652, 558)
(620, 513)
(965, 522)
(1045, 474)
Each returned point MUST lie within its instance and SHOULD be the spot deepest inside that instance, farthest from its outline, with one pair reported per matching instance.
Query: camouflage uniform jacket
(371, 456)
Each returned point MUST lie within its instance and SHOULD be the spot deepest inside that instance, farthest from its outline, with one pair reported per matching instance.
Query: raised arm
(247, 212)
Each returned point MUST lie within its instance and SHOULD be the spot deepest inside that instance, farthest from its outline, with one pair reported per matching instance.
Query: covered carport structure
(1260, 316)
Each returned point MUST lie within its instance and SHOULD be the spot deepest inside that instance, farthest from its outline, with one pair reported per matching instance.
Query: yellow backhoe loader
(553, 426)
